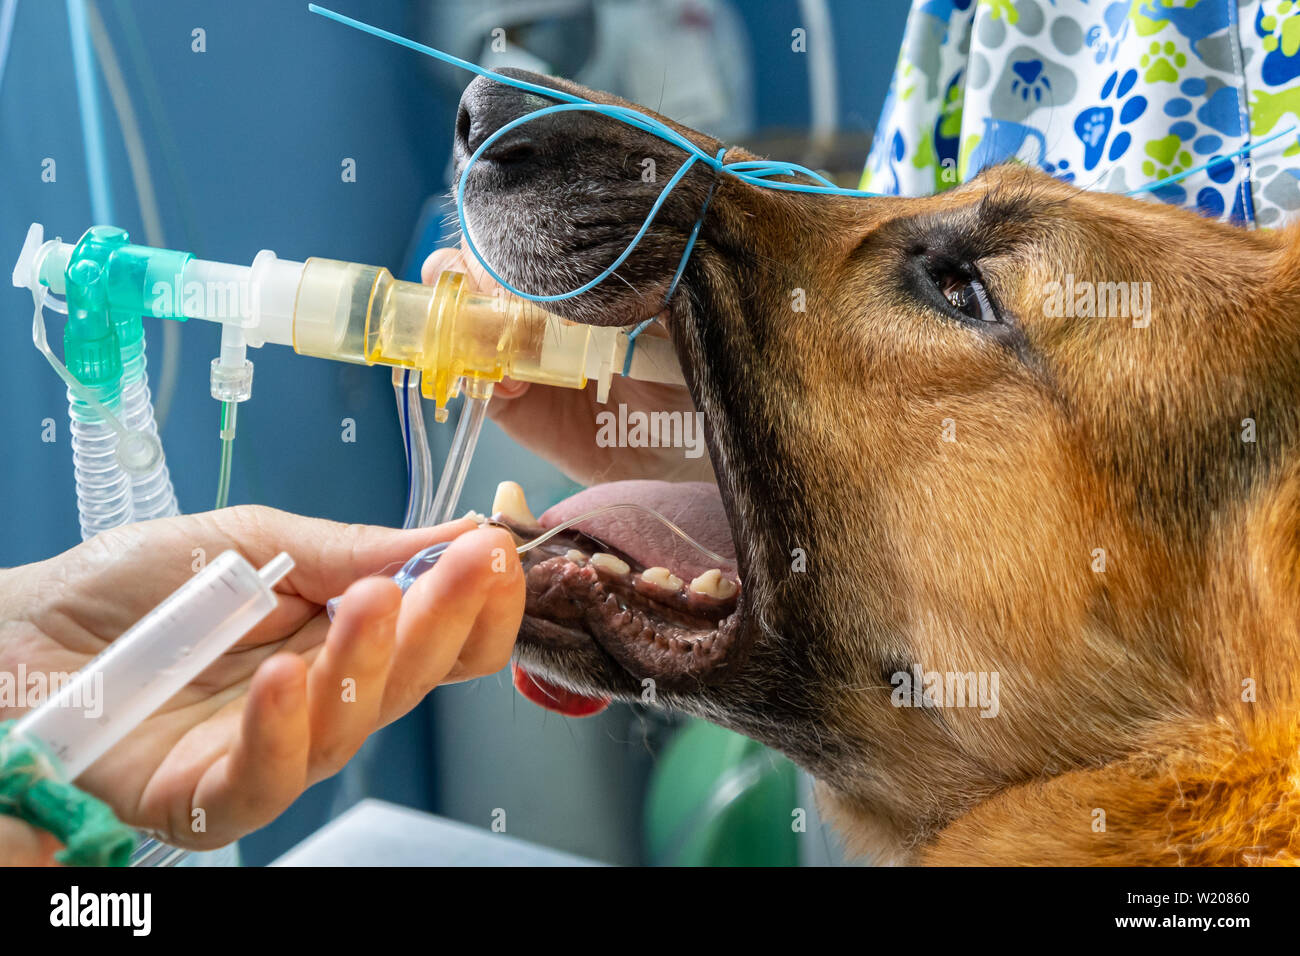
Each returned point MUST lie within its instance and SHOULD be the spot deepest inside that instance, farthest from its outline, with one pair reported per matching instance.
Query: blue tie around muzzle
(753, 172)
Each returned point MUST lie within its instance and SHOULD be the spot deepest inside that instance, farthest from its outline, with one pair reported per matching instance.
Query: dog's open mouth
(623, 586)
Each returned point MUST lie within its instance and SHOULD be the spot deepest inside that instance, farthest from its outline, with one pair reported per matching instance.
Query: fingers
(491, 640)
(440, 260)
(345, 687)
(328, 556)
(383, 652)
(457, 260)
(266, 767)
(460, 617)
(22, 844)
(508, 389)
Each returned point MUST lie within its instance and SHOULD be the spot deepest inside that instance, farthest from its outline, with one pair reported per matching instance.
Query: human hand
(22, 844)
(560, 423)
(297, 696)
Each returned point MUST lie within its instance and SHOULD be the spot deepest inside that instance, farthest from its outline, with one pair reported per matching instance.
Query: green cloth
(31, 790)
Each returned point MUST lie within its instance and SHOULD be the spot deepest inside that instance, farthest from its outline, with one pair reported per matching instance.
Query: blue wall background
(260, 124)
(245, 144)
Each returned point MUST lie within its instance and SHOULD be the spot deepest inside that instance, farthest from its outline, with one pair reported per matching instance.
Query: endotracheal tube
(424, 560)
(456, 338)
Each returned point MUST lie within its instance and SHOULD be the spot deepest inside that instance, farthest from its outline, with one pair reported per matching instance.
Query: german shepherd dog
(949, 456)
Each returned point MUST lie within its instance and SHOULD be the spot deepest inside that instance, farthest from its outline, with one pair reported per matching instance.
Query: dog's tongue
(696, 507)
(553, 697)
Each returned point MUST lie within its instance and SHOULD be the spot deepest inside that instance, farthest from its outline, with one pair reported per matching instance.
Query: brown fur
(1121, 691)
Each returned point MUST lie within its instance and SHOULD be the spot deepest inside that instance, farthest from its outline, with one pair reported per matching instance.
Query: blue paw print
(1030, 80)
(1108, 42)
(1060, 170)
(1093, 125)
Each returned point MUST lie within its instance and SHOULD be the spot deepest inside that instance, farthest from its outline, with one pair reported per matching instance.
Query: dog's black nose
(487, 105)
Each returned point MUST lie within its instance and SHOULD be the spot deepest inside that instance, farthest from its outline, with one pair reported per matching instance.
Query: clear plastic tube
(104, 498)
(152, 493)
(626, 505)
(423, 560)
(228, 412)
(456, 467)
(419, 467)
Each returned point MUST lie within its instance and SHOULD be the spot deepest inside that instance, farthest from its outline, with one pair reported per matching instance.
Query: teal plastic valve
(110, 285)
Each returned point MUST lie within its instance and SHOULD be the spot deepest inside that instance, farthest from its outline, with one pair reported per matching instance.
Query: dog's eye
(967, 296)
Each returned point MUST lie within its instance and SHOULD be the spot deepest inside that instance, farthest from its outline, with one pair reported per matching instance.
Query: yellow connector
(359, 313)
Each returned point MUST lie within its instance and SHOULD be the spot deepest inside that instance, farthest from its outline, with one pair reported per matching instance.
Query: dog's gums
(683, 631)
(649, 620)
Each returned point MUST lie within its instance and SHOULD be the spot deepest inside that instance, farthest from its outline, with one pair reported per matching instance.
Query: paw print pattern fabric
(1106, 94)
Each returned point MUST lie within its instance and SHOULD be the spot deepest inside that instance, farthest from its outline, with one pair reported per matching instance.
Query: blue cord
(753, 172)
(681, 267)
(1150, 187)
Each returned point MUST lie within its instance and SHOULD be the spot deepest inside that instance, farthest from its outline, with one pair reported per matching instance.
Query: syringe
(165, 650)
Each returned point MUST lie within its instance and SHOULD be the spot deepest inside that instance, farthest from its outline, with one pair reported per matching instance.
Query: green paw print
(1004, 8)
(1290, 39)
(1170, 158)
(1158, 68)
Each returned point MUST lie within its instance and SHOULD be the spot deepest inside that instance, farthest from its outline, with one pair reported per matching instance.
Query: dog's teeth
(607, 562)
(575, 556)
(713, 584)
(509, 501)
(661, 577)
(475, 516)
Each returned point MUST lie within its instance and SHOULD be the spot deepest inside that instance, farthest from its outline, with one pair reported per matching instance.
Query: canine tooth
(510, 501)
(714, 584)
(607, 562)
(661, 577)
(575, 556)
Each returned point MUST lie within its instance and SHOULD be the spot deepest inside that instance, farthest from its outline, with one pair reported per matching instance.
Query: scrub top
(1102, 94)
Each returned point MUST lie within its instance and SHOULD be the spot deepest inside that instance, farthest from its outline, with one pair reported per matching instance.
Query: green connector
(111, 284)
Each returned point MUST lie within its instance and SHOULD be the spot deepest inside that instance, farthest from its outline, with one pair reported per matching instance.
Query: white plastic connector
(258, 299)
(275, 292)
(605, 350)
(32, 261)
(24, 268)
(653, 360)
